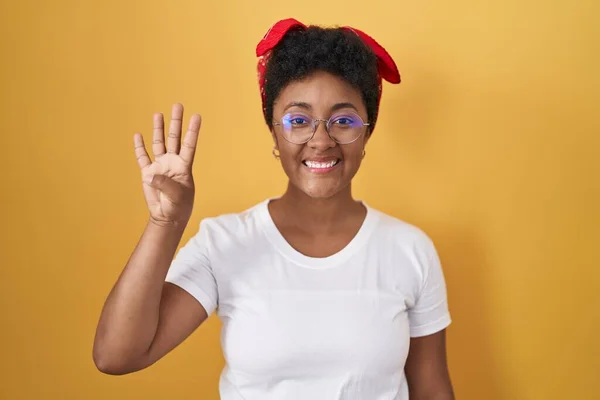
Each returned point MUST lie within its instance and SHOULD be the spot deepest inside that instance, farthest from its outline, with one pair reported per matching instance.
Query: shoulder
(400, 232)
(412, 255)
(411, 248)
(233, 224)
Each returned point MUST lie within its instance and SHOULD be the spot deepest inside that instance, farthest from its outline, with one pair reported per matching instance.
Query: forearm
(441, 396)
(131, 312)
(432, 391)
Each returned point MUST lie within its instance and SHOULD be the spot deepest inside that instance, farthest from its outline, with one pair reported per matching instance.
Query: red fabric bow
(385, 64)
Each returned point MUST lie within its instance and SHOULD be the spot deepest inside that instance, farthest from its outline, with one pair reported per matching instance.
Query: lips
(321, 164)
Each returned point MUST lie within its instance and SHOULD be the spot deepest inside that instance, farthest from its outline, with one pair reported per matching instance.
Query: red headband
(385, 64)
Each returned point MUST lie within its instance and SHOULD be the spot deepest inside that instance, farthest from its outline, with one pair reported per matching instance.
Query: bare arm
(143, 317)
(427, 369)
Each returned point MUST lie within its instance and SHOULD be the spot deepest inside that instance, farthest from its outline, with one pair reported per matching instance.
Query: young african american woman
(320, 295)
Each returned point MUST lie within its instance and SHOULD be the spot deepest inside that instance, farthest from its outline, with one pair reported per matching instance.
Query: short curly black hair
(335, 50)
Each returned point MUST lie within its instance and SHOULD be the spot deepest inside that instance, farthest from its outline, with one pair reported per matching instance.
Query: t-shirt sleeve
(191, 270)
(430, 313)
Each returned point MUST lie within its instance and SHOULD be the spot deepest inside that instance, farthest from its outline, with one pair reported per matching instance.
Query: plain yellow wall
(489, 145)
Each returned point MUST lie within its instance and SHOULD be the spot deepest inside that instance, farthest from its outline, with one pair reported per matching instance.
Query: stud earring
(275, 153)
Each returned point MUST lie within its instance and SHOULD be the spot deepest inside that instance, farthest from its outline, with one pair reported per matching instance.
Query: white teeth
(314, 164)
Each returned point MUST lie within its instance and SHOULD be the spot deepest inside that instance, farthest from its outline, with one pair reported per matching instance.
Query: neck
(318, 214)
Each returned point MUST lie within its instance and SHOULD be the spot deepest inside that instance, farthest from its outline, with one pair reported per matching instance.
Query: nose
(321, 140)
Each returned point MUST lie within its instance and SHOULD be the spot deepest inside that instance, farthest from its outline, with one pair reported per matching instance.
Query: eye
(343, 121)
(298, 120)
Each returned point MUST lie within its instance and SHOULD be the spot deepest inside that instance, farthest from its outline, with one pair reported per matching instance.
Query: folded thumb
(167, 186)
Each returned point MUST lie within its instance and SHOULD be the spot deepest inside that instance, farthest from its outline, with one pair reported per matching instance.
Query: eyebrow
(339, 106)
(298, 104)
(307, 106)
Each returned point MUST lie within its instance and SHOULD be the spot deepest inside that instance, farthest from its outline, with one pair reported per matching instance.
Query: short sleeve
(430, 313)
(191, 270)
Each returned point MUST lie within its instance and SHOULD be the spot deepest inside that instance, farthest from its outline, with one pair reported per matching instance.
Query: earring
(275, 153)
(364, 153)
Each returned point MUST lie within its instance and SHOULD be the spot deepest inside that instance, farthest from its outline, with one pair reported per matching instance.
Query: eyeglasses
(342, 128)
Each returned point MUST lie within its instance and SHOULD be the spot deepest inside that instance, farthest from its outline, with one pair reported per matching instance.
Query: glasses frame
(315, 123)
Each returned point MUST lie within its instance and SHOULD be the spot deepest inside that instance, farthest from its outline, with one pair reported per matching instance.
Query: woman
(321, 296)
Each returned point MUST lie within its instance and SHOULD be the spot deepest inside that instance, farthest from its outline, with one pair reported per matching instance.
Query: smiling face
(321, 168)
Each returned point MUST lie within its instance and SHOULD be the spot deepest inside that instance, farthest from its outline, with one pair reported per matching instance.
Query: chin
(321, 190)
(320, 194)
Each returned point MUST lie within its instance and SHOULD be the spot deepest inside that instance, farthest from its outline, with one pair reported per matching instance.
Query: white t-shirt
(303, 328)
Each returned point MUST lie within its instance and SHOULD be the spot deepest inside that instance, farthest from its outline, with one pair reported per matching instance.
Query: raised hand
(167, 181)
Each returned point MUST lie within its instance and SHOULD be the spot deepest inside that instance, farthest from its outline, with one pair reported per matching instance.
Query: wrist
(167, 224)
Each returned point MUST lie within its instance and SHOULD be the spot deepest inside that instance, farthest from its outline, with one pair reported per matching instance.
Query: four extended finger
(174, 140)
(140, 151)
(158, 135)
(188, 147)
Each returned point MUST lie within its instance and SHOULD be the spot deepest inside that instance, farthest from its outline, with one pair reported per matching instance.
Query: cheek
(290, 156)
(353, 156)
(289, 164)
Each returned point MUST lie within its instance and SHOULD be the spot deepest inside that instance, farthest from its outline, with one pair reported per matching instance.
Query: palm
(172, 166)
(172, 199)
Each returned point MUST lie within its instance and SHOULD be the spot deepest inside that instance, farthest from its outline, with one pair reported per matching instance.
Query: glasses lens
(346, 128)
(297, 128)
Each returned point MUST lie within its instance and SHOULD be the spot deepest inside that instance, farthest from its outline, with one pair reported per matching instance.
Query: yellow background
(489, 145)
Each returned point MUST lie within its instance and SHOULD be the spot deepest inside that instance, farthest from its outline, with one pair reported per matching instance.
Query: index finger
(140, 151)
(189, 144)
